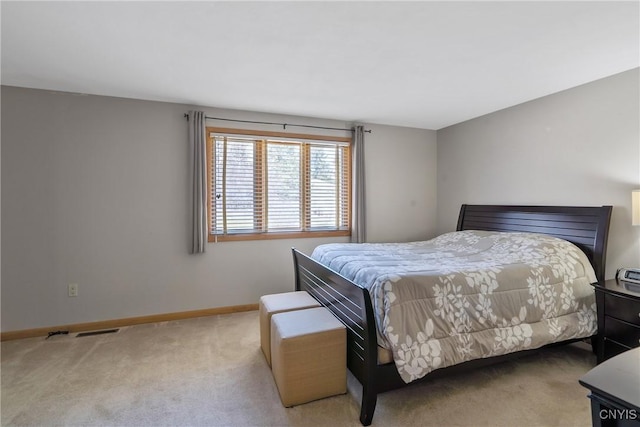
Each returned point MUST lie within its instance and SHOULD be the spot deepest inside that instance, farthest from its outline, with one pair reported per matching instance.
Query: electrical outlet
(73, 290)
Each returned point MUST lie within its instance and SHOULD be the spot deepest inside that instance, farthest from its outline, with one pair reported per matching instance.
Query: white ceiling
(416, 64)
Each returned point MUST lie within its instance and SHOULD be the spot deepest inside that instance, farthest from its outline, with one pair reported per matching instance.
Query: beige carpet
(210, 372)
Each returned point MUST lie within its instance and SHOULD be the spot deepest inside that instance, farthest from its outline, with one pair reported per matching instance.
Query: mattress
(469, 294)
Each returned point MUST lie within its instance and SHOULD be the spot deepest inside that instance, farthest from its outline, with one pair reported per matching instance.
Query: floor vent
(105, 331)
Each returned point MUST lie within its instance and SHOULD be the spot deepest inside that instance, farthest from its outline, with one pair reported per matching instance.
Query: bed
(485, 226)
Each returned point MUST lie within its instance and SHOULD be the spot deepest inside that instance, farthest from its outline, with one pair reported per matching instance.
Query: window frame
(268, 235)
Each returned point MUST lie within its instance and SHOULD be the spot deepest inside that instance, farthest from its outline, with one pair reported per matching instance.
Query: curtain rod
(284, 125)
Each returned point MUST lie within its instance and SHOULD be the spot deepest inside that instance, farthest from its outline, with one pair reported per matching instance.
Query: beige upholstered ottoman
(279, 303)
(308, 355)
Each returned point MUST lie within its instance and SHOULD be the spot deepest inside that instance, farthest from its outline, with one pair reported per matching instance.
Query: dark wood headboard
(585, 226)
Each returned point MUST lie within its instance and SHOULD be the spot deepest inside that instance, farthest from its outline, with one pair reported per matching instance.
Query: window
(265, 185)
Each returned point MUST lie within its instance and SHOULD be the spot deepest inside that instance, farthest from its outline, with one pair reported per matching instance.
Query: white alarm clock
(628, 275)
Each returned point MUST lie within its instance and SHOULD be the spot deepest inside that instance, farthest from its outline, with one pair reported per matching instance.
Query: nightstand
(618, 305)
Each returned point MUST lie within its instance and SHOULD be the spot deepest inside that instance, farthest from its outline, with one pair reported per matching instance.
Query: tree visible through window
(270, 185)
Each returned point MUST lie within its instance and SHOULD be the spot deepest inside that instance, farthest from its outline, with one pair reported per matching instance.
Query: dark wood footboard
(587, 227)
(352, 305)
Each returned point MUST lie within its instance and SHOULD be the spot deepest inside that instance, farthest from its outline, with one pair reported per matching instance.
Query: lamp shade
(635, 207)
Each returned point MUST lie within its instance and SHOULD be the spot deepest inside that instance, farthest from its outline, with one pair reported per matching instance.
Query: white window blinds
(278, 185)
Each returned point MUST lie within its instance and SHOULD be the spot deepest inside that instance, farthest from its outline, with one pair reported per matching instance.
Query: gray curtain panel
(198, 164)
(358, 224)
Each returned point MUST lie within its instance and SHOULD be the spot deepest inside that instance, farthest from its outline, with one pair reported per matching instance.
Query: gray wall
(401, 178)
(95, 192)
(576, 147)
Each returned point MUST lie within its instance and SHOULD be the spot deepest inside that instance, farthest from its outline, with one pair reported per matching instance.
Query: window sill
(273, 236)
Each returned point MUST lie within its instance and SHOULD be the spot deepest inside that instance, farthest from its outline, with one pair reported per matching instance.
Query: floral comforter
(469, 294)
